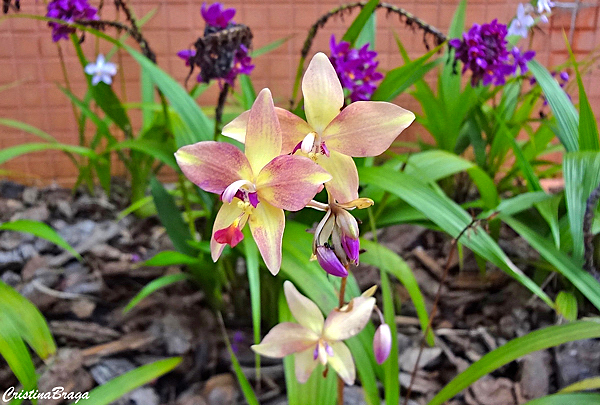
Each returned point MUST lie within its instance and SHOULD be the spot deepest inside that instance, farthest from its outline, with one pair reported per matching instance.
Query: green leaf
(514, 205)
(457, 26)
(566, 305)
(28, 321)
(270, 46)
(169, 258)
(121, 385)
(401, 78)
(18, 150)
(152, 148)
(386, 260)
(449, 216)
(390, 366)
(15, 353)
(171, 218)
(107, 100)
(198, 126)
(367, 34)
(583, 385)
(582, 280)
(248, 92)
(533, 341)
(154, 285)
(566, 115)
(253, 268)
(563, 399)
(359, 22)
(27, 128)
(249, 394)
(41, 230)
(581, 171)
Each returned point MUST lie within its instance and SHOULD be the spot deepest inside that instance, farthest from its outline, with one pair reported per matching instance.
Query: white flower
(101, 71)
(544, 6)
(520, 25)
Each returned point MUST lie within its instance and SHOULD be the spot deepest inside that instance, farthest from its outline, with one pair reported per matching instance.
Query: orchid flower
(341, 227)
(520, 25)
(262, 183)
(101, 71)
(330, 137)
(315, 340)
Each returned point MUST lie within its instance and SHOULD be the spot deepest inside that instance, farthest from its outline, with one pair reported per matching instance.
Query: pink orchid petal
(267, 223)
(290, 182)
(344, 183)
(293, 128)
(342, 362)
(342, 325)
(227, 214)
(213, 166)
(236, 129)
(366, 128)
(323, 94)
(263, 135)
(304, 364)
(285, 338)
(304, 310)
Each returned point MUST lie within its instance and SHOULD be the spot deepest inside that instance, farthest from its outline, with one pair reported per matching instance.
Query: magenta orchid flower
(255, 187)
(330, 137)
(315, 340)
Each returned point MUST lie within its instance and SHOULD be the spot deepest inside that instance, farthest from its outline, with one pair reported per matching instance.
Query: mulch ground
(83, 303)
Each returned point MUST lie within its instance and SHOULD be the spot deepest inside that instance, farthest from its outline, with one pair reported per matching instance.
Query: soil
(83, 303)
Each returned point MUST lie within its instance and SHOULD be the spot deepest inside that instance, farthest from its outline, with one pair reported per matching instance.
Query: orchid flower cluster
(286, 162)
(526, 17)
(483, 51)
(218, 18)
(355, 69)
(69, 11)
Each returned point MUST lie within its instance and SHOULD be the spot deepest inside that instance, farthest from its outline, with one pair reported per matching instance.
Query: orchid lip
(330, 262)
(243, 190)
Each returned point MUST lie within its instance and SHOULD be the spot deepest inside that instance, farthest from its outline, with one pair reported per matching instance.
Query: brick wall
(31, 72)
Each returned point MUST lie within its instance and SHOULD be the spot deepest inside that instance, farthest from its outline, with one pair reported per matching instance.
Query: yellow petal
(323, 94)
(304, 310)
(267, 223)
(263, 134)
(344, 183)
(342, 362)
(236, 129)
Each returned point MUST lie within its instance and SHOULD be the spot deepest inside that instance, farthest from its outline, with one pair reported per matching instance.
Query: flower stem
(340, 382)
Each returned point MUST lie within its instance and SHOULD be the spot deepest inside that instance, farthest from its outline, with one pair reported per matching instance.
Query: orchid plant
(286, 162)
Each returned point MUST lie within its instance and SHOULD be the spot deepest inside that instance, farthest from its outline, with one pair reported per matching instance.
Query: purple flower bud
(564, 76)
(351, 247)
(330, 262)
(187, 55)
(216, 15)
(382, 343)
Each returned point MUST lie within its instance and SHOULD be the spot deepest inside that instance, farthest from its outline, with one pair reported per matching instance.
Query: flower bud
(382, 343)
(330, 262)
(351, 247)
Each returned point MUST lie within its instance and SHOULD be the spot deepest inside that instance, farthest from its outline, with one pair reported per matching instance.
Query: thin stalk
(340, 382)
(219, 109)
(187, 206)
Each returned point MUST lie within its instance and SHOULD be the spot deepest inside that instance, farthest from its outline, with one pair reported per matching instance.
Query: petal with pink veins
(323, 94)
(286, 338)
(341, 325)
(267, 223)
(263, 134)
(342, 362)
(213, 166)
(344, 183)
(304, 310)
(304, 364)
(366, 128)
(228, 213)
(290, 182)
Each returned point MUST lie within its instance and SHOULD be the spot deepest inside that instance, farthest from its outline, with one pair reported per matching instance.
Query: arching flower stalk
(315, 340)
(255, 187)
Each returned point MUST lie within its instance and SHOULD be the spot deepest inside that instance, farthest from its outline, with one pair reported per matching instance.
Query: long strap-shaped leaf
(533, 341)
